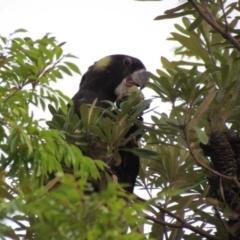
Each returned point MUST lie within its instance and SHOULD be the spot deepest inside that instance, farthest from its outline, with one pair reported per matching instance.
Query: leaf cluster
(202, 90)
(45, 170)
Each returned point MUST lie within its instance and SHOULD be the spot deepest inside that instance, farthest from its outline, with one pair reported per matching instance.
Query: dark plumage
(109, 79)
(127, 171)
(104, 79)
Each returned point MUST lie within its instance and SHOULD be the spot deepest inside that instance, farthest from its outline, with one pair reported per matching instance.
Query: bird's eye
(127, 61)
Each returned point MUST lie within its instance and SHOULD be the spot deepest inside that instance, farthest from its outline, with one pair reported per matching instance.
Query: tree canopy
(190, 157)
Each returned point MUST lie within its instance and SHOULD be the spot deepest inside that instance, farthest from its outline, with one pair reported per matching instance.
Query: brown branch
(208, 12)
(182, 224)
(211, 21)
(164, 226)
(224, 15)
(159, 221)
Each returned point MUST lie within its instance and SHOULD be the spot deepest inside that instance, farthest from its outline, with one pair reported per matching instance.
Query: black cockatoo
(109, 79)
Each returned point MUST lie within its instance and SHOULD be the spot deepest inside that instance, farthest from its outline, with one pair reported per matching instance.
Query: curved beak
(139, 78)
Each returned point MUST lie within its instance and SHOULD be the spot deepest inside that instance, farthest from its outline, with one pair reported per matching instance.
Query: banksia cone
(232, 222)
(214, 183)
(231, 196)
(224, 149)
(222, 154)
(234, 140)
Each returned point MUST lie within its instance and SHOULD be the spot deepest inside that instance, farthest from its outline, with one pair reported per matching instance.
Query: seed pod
(233, 223)
(222, 155)
(206, 149)
(231, 196)
(234, 140)
(214, 183)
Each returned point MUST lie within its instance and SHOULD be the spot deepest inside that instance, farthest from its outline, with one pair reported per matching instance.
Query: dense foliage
(189, 156)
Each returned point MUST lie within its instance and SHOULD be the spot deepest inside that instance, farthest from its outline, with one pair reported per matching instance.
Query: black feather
(101, 81)
(128, 170)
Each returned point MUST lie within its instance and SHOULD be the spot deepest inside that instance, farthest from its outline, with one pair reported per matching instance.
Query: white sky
(94, 29)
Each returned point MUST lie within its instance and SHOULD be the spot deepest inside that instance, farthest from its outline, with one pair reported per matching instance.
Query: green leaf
(203, 106)
(40, 64)
(166, 64)
(52, 110)
(70, 56)
(20, 30)
(143, 153)
(13, 141)
(98, 132)
(57, 74)
(175, 15)
(178, 8)
(84, 112)
(58, 52)
(195, 23)
(65, 70)
(202, 136)
(73, 67)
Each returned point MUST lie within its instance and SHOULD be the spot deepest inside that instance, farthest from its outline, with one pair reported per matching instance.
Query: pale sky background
(94, 29)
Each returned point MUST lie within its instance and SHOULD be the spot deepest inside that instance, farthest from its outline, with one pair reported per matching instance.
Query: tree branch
(182, 224)
(207, 16)
(224, 15)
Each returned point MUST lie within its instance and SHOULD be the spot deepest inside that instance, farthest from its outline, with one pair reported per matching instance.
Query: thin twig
(225, 17)
(164, 226)
(159, 221)
(209, 19)
(208, 12)
(217, 214)
(182, 224)
(11, 95)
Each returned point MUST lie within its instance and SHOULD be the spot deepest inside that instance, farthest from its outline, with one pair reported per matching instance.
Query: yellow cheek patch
(102, 63)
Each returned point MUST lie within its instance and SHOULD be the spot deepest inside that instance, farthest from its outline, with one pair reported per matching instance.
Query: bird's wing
(83, 96)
